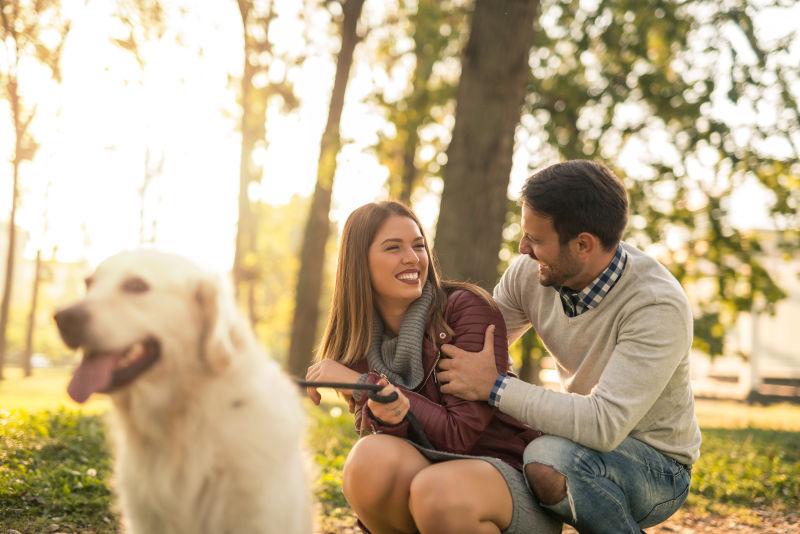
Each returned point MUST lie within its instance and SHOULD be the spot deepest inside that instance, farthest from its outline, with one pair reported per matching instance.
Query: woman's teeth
(408, 276)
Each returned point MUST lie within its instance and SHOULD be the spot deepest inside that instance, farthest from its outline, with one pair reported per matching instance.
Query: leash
(372, 391)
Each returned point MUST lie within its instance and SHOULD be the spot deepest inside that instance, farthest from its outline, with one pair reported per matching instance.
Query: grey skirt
(527, 516)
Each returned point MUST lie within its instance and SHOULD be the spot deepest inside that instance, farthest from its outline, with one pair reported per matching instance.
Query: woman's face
(398, 263)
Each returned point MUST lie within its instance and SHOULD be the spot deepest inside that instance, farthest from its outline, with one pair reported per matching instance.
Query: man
(622, 435)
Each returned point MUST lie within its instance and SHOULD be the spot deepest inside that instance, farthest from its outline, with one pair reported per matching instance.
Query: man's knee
(549, 486)
(548, 462)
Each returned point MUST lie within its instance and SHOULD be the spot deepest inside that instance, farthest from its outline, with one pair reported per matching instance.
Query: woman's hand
(330, 371)
(393, 412)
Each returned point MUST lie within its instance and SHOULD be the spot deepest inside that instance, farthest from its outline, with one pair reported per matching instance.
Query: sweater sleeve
(510, 299)
(454, 424)
(650, 344)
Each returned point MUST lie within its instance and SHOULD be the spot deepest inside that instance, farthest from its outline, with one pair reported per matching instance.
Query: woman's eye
(389, 249)
(419, 246)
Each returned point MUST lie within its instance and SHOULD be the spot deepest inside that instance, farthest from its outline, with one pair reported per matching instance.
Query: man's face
(557, 266)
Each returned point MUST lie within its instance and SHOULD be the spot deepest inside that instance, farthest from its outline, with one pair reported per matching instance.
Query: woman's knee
(432, 500)
(368, 464)
(374, 466)
(457, 496)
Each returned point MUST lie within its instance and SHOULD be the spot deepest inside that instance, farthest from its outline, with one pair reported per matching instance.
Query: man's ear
(586, 244)
(217, 345)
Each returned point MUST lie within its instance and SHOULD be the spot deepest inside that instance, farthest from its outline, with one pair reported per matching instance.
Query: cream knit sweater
(624, 365)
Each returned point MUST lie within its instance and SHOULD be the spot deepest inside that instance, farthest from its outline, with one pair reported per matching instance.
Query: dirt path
(764, 521)
(684, 522)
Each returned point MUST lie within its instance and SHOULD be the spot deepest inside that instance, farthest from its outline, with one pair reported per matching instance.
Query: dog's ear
(218, 337)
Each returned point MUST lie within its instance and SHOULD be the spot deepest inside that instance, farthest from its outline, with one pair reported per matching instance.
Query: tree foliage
(688, 103)
(419, 48)
(33, 35)
(264, 81)
(143, 27)
(490, 94)
(318, 225)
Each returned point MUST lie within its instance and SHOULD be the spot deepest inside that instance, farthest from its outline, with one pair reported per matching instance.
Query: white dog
(208, 432)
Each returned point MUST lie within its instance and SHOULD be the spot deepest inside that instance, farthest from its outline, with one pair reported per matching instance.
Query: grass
(54, 468)
(45, 390)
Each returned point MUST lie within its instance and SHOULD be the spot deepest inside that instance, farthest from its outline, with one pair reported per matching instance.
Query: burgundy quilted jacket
(450, 423)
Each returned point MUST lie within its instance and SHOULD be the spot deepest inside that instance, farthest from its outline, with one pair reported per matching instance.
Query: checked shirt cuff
(497, 390)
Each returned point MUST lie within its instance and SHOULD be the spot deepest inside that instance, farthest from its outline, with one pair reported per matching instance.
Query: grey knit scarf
(400, 358)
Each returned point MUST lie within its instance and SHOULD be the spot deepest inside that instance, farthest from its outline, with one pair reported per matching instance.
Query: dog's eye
(135, 285)
(88, 281)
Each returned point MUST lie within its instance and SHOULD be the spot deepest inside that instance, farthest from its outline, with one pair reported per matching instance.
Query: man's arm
(511, 301)
(642, 364)
(473, 375)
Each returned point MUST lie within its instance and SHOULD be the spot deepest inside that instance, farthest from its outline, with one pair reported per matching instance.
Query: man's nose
(72, 323)
(527, 249)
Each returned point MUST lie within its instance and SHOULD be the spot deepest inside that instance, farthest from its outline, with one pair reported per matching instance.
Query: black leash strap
(418, 435)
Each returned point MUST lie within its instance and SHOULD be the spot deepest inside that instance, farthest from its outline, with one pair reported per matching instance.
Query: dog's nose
(72, 323)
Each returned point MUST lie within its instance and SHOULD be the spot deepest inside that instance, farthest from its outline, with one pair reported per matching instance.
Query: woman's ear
(217, 343)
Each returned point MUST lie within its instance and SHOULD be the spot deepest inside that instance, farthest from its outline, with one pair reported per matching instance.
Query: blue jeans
(632, 487)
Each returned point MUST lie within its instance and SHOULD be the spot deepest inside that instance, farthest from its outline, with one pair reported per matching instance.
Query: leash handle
(373, 389)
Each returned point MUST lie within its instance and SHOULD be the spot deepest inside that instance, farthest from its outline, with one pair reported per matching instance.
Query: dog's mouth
(107, 371)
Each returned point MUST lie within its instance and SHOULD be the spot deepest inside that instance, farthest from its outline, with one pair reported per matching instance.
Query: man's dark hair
(580, 196)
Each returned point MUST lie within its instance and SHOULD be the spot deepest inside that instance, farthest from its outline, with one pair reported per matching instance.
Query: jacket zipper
(431, 372)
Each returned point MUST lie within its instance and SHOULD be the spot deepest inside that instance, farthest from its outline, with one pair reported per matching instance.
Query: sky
(96, 128)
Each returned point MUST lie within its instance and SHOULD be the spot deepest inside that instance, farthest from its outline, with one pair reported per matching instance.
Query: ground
(55, 470)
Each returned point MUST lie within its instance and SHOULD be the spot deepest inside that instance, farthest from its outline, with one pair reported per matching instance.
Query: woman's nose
(411, 256)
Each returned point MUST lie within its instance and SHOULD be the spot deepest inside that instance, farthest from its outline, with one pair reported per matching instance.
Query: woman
(389, 316)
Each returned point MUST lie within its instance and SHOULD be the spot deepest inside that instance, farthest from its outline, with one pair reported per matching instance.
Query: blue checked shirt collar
(575, 303)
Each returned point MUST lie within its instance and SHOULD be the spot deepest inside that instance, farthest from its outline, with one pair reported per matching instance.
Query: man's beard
(566, 267)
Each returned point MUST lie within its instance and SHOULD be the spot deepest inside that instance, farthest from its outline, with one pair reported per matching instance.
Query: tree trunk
(10, 261)
(5, 306)
(312, 253)
(428, 49)
(490, 95)
(152, 170)
(531, 358)
(254, 132)
(409, 178)
(37, 279)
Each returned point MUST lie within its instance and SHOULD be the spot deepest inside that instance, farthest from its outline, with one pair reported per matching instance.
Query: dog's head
(147, 316)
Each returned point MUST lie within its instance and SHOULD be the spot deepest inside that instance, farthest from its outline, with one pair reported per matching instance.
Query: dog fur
(209, 439)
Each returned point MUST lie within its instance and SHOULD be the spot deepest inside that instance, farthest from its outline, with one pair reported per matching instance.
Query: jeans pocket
(663, 510)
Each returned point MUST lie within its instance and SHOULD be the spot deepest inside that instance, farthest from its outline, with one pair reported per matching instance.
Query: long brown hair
(349, 328)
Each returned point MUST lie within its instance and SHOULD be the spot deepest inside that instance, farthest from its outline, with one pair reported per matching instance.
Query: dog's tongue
(93, 374)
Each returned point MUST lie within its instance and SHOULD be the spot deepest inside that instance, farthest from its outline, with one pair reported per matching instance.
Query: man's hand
(469, 375)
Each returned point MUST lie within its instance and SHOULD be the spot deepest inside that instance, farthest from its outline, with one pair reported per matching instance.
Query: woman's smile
(409, 276)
